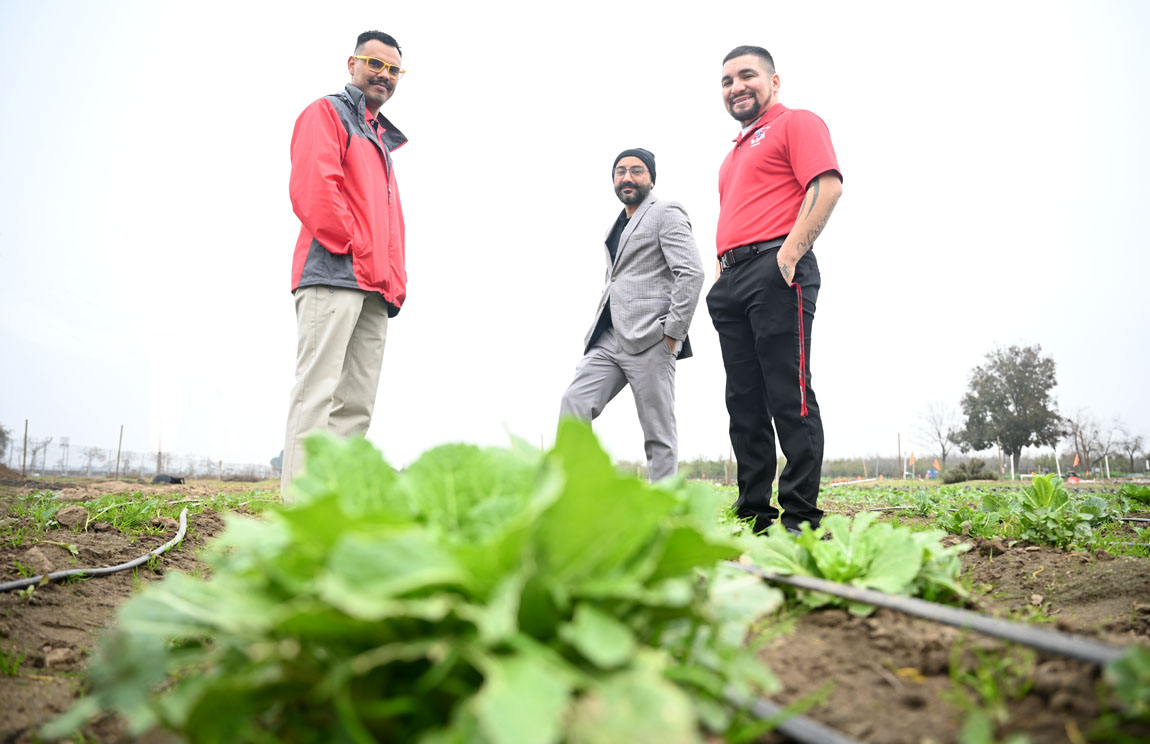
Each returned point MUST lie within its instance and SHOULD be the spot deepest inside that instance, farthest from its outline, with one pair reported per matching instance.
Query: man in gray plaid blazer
(654, 277)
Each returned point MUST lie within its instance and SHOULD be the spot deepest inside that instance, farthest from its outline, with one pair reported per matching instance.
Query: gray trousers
(605, 369)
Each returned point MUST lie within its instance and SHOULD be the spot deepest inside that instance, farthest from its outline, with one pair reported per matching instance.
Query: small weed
(27, 593)
(75, 551)
(984, 688)
(16, 535)
(1033, 614)
(25, 571)
(10, 662)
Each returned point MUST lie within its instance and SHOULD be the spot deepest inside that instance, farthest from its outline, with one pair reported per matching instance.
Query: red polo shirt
(764, 178)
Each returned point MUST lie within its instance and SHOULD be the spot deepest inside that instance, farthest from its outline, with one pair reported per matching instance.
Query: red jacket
(344, 192)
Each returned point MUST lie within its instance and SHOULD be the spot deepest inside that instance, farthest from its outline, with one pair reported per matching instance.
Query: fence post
(119, 447)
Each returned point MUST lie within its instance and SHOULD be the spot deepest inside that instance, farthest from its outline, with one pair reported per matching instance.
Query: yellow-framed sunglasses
(378, 65)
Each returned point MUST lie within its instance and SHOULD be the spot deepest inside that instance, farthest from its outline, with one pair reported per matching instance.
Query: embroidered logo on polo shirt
(759, 134)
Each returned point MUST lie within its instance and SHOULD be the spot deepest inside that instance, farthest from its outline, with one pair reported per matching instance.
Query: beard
(747, 115)
(635, 198)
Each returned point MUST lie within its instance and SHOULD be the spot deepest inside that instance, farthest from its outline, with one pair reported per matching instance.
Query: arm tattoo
(814, 197)
(806, 245)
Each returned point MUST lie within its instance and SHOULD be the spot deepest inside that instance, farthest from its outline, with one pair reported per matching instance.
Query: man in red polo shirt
(777, 189)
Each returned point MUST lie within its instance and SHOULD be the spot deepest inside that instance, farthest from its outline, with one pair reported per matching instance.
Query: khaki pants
(340, 351)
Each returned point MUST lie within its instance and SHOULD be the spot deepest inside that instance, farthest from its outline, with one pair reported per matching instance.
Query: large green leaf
(600, 638)
(469, 492)
(600, 519)
(634, 706)
(685, 548)
(355, 472)
(365, 571)
(522, 701)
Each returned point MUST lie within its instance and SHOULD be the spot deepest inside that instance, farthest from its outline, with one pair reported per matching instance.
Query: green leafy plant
(1135, 492)
(1129, 678)
(480, 595)
(864, 553)
(924, 503)
(965, 520)
(1049, 516)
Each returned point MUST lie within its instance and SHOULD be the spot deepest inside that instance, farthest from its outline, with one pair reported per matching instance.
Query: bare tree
(1083, 432)
(5, 438)
(1092, 441)
(1110, 442)
(939, 425)
(1131, 444)
(40, 446)
(127, 463)
(62, 463)
(92, 454)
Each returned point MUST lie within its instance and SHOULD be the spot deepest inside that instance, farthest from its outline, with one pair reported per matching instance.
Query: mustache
(381, 81)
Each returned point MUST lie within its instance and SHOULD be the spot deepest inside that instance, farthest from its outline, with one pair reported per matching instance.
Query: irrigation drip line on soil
(795, 727)
(1064, 644)
(57, 575)
(1133, 519)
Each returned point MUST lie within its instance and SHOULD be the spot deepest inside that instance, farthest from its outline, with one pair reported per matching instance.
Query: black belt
(748, 251)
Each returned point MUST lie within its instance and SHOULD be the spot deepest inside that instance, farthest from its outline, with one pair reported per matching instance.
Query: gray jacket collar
(391, 136)
(634, 221)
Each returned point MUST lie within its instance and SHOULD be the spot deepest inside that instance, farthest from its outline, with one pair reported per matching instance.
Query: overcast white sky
(994, 156)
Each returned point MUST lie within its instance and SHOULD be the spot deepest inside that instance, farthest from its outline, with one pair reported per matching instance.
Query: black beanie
(645, 155)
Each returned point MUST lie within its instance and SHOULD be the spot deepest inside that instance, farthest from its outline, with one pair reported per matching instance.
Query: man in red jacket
(348, 273)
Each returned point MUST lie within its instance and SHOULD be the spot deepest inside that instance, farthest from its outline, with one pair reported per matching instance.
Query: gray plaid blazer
(654, 283)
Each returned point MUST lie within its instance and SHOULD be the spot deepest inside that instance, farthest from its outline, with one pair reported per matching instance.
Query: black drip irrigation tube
(57, 575)
(796, 728)
(1064, 644)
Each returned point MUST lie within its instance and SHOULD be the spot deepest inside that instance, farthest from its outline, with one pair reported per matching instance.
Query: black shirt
(612, 248)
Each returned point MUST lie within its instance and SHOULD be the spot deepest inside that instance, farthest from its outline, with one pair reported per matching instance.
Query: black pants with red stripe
(764, 330)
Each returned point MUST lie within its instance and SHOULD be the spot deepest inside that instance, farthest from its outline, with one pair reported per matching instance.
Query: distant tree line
(67, 459)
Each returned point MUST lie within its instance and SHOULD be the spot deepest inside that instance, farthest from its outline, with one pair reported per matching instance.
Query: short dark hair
(759, 52)
(367, 36)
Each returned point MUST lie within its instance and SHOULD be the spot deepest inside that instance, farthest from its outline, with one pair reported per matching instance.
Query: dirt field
(58, 627)
(891, 672)
(891, 676)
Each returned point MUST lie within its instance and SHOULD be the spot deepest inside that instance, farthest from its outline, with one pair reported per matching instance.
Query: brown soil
(891, 673)
(58, 626)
